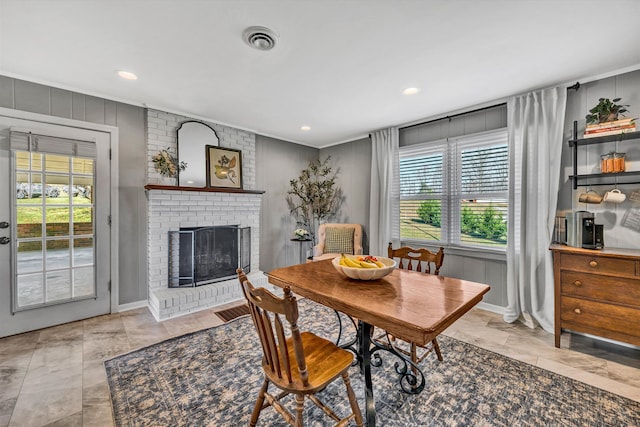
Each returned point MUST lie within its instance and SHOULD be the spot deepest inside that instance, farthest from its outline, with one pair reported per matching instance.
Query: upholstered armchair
(334, 239)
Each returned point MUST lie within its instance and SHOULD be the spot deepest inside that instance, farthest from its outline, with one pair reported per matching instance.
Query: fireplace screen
(201, 255)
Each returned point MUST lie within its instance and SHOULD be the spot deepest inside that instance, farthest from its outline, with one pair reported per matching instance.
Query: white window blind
(455, 192)
(25, 141)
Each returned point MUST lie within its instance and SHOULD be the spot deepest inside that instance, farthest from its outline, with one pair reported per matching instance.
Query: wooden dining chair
(421, 260)
(301, 363)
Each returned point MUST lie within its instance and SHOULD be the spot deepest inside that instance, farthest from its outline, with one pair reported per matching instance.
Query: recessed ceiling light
(305, 128)
(411, 91)
(127, 75)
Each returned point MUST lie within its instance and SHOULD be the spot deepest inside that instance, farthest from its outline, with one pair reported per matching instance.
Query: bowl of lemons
(363, 267)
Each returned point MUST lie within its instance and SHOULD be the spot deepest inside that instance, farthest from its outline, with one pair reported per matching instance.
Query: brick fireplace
(170, 208)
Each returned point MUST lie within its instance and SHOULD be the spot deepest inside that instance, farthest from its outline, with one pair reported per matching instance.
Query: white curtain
(535, 126)
(384, 205)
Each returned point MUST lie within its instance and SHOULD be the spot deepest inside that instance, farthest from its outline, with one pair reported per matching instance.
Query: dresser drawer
(596, 264)
(596, 315)
(617, 290)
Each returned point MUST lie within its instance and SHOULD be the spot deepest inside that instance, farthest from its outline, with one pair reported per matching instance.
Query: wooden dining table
(413, 306)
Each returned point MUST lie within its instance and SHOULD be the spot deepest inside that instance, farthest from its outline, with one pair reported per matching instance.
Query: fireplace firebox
(202, 255)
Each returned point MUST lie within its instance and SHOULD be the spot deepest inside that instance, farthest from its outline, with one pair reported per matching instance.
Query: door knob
(4, 224)
(4, 240)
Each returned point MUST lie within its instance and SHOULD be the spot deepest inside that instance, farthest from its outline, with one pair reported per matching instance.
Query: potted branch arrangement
(313, 197)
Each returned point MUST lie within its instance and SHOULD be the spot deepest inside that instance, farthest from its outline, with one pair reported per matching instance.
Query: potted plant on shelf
(605, 111)
(313, 197)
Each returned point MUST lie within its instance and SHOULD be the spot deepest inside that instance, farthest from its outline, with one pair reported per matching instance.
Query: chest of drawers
(597, 292)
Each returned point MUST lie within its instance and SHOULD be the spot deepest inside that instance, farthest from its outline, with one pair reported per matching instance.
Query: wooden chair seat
(300, 364)
(325, 362)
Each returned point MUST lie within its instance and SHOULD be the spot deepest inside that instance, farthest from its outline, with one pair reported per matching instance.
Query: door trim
(114, 183)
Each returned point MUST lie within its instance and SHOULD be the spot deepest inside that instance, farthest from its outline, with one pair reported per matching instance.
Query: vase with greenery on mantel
(314, 196)
(167, 166)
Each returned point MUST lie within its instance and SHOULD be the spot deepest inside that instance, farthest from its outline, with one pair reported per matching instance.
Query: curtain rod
(454, 115)
(576, 86)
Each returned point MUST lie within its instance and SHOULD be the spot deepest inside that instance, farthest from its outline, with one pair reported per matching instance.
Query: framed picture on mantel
(224, 167)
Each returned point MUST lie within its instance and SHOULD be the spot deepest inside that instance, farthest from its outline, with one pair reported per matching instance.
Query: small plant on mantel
(167, 165)
(314, 196)
(606, 111)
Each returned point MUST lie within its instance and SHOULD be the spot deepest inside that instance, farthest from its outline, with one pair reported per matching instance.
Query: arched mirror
(193, 137)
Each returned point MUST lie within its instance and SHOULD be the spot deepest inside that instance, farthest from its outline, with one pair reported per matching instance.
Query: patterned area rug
(212, 377)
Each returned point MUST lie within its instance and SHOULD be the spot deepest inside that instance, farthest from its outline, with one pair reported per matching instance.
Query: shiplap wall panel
(31, 97)
(61, 103)
(78, 111)
(111, 113)
(94, 109)
(474, 122)
(494, 118)
(6, 92)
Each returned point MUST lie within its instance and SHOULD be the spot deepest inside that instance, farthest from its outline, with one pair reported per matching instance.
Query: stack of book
(610, 128)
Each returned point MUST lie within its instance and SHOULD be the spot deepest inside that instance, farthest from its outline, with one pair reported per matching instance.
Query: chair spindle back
(266, 311)
(409, 257)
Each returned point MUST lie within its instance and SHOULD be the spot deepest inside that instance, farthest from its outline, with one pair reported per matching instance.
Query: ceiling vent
(260, 38)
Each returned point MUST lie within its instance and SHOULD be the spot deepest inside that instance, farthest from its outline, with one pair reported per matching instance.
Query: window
(455, 192)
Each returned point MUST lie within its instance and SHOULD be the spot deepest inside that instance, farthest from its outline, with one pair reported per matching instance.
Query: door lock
(4, 240)
(4, 224)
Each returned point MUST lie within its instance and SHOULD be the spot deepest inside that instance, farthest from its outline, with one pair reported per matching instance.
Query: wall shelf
(586, 180)
(577, 178)
(602, 139)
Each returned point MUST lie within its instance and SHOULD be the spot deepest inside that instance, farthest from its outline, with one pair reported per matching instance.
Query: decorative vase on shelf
(169, 180)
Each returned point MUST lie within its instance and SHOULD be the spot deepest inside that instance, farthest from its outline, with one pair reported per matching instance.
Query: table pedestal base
(366, 351)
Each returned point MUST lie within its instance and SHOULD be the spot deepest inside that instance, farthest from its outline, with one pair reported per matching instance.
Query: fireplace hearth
(204, 255)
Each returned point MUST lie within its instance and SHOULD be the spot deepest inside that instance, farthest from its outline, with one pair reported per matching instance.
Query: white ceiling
(339, 66)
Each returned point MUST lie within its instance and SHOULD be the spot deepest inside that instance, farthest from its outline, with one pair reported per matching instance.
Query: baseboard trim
(131, 306)
(492, 308)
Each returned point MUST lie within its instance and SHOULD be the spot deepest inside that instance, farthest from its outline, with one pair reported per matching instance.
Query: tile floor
(55, 376)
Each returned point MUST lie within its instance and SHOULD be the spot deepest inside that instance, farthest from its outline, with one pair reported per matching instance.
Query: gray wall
(627, 87)
(277, 162)
(480, 121)
(36, 98)
(352, 160)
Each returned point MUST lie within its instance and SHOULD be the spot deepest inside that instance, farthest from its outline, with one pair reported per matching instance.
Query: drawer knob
(577, 311)
(577, 283)
(593, 263)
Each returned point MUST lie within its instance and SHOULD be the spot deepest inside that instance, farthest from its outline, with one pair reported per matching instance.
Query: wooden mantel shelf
(205, 189)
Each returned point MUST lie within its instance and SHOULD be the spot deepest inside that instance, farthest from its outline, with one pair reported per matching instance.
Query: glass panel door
(54, 213)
